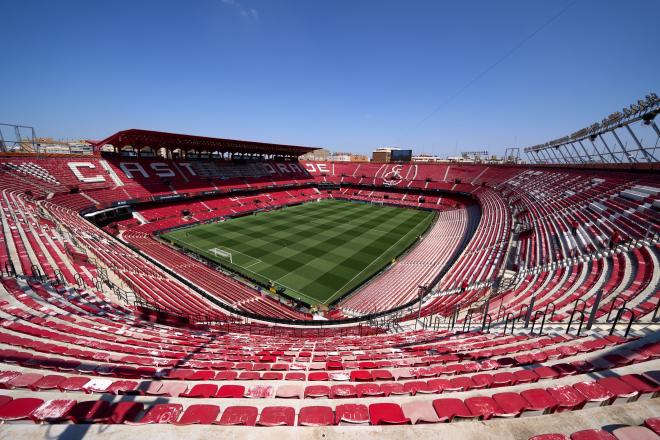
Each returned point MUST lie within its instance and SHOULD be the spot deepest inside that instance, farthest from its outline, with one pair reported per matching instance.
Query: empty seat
(567, 397)
(19, 409)
(635, 433)
(199, 414)
(202, 390)
(53, 411)
(539, 401)
(351, 414)
(239, 415)
(449, 409)
(343, 391)
(160, 413)
(230, 391)
(420, 412)
(592, 434)
(317, 391)
(316, 416)
(277, 416)
(387, 414)
(483, 407)
(512, 404)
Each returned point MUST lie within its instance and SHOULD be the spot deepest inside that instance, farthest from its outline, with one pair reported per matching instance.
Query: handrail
(467, 320)
(619, 314)
(570, 321)
(535, 318)
(613, 303)
(506, 322)
(552, 303)
(488, 317)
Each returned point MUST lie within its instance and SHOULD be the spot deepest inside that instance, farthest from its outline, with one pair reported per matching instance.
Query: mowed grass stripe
(317, 251)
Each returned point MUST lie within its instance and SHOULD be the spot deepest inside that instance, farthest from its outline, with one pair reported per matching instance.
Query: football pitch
(316, 252)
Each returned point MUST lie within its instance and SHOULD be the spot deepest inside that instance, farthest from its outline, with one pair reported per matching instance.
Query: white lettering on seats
(294, 167)
(161, 169)
(74, 167)
(130, 167)
(270, 168)
(282, 168)
(188, 166)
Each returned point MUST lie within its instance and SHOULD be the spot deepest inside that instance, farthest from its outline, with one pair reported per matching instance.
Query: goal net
(222, 253)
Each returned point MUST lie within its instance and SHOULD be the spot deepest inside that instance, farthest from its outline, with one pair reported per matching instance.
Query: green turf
(317, 251)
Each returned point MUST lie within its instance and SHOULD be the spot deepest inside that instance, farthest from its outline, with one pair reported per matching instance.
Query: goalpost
(222, 253)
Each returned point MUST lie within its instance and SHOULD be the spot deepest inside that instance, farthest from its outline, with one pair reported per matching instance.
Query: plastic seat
(420, 387)
(293, 391)
(75, 383)
(503, 379)
(277, 416)
(539, 401)
(567, 397)
(89, 411)
(592, 434)
(381, 375)
(653, 424)
(226, 375)
(318, 376)
(387, 414)
(161, 413)
(351, 414)
(199, 414)
(317, 391)
(119, 413)
(230, 391)
(5, 399)
(634, 433)
(53, 411)
(316, 416)
(124, 387)
(369, 390)
(25, 380)
(594, 393)
(621, 391)
(420, 412)
(525, 376)
(448, 409)
(260, 392)
(271, 375)
(511, 404)
(342, 391)
(202, 390)
(361, 376)
(49, 382)
(644, 386)
(19, 409)
(393, 388)
(295, 376)
(97, 385)
(239, 415)
(483, 407)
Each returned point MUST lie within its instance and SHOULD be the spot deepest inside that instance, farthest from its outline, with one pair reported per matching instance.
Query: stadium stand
(103, 323)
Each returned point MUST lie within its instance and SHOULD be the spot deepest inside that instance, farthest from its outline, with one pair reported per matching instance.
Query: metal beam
(649, 156)
(630, 156)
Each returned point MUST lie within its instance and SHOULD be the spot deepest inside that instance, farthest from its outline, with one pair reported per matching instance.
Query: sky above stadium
(438, 76)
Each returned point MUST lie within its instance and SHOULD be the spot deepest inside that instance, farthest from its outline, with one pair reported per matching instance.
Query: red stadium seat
(316, 416)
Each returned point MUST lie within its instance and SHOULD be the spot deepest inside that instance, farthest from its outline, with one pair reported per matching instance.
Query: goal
(222, 253)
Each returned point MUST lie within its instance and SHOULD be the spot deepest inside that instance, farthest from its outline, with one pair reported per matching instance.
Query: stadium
(186, 286)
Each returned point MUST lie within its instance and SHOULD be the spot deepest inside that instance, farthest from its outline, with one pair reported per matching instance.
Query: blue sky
(346, 75)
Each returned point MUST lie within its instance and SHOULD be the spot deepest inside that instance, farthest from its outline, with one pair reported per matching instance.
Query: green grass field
(317, 251)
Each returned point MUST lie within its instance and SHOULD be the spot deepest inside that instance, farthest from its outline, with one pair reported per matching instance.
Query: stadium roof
(172, 141)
